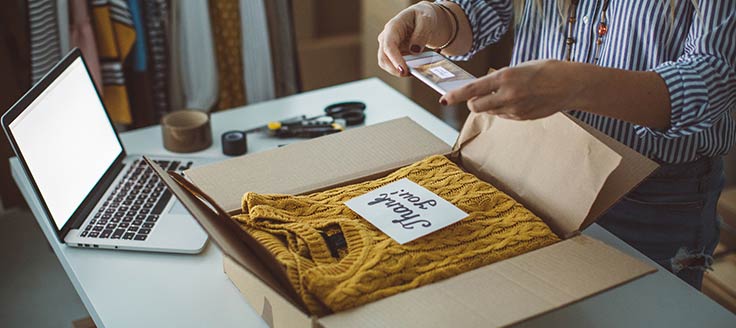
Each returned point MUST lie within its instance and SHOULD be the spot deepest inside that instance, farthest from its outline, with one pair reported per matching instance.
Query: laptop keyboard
(131, 211)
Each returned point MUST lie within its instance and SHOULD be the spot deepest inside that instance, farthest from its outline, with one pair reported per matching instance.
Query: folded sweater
(336, 260)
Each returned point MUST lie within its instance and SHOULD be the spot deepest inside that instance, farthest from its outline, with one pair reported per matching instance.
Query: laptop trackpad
(178, 208)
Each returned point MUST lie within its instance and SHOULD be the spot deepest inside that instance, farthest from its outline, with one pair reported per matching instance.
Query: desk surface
(137, 289)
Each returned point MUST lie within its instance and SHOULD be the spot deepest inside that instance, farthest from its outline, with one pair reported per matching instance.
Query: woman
(659, 76)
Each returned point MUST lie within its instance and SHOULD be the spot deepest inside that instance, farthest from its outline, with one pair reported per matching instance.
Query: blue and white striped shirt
(695, 54)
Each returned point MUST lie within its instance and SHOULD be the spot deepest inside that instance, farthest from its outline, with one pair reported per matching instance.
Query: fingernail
(443, 102)
(401, 69)
(415, 48)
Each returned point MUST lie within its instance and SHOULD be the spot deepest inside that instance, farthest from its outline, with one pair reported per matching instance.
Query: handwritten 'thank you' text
(408, 217)
(405, 211)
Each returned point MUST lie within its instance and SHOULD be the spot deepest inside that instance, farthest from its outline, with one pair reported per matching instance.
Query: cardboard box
(84, 323)
(329, 60)
(720, 283)
(564, 171)
(727, 212)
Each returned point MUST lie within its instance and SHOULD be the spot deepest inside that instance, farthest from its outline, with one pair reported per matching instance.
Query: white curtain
(257, 64)
(196, 62)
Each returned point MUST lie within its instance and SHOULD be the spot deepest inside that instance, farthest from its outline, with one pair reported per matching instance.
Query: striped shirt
(693, 51)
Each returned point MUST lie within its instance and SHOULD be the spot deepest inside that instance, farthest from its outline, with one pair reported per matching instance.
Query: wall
(328, 42)
(337, 43)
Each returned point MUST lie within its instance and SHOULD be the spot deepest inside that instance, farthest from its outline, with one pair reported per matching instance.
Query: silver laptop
(94, 194)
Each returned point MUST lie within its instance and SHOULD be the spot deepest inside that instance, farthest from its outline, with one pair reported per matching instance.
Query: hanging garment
(225, 18)
(175, 88)
(139, 56)
(196, 56)
(82, 36)
(283, 47)
(155, 17)
(138, 85)
(15, 65)
(336, 260)
(44, 35)
(63, 14)
(258, 66)
(115, 36)
(137, 75)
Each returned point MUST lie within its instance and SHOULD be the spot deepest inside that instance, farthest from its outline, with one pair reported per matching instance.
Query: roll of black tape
(234, 143)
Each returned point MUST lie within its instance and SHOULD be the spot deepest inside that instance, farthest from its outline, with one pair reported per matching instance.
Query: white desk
(136, 289)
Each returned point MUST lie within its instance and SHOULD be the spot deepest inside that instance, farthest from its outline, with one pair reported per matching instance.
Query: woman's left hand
(531, 90)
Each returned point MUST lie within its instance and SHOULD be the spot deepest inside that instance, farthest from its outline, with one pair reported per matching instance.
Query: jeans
(671, 217)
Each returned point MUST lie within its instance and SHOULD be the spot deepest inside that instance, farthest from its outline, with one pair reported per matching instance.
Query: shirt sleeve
(702, 81)
(489, 21)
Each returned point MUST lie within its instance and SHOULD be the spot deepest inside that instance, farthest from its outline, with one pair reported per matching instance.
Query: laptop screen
(66, 140)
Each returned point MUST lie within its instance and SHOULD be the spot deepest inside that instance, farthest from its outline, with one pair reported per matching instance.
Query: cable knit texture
(371, 266)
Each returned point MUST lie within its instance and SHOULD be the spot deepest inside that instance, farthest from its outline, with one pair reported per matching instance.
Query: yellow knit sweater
(336, 260)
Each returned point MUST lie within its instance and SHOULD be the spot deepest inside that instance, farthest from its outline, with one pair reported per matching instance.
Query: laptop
(93, 193)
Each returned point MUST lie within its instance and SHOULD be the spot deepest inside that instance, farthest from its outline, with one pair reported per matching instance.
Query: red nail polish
(443, 102)
(401, 69)
(415, 48)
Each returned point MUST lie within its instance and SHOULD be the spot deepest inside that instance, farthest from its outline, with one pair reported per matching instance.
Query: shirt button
(585, 20)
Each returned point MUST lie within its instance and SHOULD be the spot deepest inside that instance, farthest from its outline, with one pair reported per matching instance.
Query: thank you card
(405, 211)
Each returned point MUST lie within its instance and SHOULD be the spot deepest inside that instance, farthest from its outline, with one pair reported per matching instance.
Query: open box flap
(634, 168)
(228, 236)
(503, 293)
(317, 163)
(563, 170)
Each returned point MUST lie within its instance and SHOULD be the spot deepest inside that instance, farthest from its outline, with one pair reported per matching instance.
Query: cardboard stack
(727, 212)
(720, 283)
(84, 323)
(564, 171)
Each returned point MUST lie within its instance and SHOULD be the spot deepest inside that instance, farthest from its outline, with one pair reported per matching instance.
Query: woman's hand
(528, 91)
(409, 32)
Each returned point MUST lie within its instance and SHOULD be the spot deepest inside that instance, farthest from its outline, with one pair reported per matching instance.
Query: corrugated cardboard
(318, 163)
(720, 283)
(727, 212)
(502, 293)
(245, 251)
(554, 166)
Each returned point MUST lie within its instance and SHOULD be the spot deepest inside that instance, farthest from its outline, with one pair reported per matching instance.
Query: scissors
(335, 119)
(353, 112)
(348, 113)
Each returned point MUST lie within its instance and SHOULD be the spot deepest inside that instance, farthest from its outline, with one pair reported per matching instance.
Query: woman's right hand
(409, 32)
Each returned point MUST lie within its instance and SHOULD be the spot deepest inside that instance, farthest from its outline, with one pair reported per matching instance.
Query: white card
(405, 211)
(441, 72)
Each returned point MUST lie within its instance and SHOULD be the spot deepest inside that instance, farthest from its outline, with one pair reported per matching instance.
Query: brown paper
(633, 169)
(551, 166)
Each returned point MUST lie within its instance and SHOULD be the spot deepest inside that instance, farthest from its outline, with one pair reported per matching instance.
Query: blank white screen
(67, 141)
